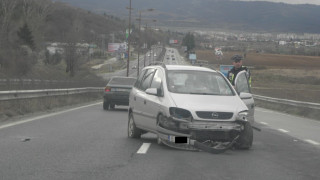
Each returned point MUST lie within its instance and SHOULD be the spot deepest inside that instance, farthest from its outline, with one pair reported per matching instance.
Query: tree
(188, 41)
(6, 12)
(25, 35)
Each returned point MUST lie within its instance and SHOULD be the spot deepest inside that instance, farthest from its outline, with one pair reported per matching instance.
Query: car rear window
(122, 81)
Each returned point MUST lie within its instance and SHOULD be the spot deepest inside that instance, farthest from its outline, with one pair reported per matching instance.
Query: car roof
(186, 67)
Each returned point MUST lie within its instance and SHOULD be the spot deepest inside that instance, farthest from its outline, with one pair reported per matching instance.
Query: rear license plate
(120, 90)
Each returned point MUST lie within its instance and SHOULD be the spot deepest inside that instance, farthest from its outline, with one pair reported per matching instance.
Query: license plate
(178, 139)
(120, 90)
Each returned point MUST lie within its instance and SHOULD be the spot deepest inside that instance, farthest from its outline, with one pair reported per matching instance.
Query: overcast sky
(317, 2)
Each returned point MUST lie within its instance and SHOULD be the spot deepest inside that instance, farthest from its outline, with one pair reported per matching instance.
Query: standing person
(237, 67)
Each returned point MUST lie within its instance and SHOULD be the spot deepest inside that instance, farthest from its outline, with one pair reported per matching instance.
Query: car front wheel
(133, 131)
(246, 137)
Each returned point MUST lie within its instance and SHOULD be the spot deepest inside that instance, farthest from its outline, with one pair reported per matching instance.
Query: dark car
(117, 92)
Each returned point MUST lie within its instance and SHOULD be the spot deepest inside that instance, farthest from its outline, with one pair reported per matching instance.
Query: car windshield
(122, 81)
(197, 82)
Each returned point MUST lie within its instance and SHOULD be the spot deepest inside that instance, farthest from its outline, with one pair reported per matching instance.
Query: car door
(154, 102)
(135, 100)
(141, 99)
(242, 86)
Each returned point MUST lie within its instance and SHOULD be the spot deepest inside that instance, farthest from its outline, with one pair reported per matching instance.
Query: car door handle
(145, 102)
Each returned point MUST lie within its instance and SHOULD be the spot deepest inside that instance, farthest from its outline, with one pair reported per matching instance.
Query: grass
(282, 76)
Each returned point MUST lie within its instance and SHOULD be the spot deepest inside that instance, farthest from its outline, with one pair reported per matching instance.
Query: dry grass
(282, 76)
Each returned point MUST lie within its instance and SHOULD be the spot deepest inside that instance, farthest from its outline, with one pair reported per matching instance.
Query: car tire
(246, 137)
(105, 105)
(133, 131)
(112, 106)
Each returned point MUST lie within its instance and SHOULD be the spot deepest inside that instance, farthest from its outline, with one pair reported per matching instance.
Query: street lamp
(139, 42)
(129, 29)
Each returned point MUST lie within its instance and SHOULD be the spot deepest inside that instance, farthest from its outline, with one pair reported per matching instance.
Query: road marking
(264, 123)
(45, 116)
(312, 142)
(283, 130)
(144, 148)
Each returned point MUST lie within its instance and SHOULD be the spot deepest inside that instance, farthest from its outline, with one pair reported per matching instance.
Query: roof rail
(158, 63)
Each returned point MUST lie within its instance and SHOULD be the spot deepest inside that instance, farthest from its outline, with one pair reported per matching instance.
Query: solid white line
(144, 148)
(263, 123)
(45, 116)
(312, 142)
(283, 130)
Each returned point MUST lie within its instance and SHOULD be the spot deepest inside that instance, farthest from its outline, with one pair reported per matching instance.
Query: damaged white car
(192, 108)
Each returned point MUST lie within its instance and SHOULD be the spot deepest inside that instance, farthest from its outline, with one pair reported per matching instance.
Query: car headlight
(242, 115)
(180, 113)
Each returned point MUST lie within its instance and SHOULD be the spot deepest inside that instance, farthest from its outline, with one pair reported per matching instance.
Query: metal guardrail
(26, 94)
(288, 102)
(28, 84)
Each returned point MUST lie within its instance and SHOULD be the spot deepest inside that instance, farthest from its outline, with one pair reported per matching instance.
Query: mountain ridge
(258, 16)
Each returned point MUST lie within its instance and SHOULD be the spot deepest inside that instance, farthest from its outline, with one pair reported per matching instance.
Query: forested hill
(222, 14)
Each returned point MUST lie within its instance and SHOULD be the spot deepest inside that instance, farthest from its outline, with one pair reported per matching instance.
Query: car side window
(138, 82)
(242, 84)
(146, 80)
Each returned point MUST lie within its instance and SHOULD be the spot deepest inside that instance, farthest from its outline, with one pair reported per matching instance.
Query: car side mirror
(244, 95)
(154, 91)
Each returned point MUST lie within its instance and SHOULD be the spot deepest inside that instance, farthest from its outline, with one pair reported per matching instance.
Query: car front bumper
(200, 131)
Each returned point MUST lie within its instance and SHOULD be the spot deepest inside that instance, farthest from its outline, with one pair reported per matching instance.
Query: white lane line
(144, 148)
(312, 142)
(264, 123)
(283, 130)
(45, 116)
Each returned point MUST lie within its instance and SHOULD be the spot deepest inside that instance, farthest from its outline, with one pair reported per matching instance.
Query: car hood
(208, 102)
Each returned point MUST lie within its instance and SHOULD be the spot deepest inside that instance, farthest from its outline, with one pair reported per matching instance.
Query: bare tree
(6, 12)
(71, 50)
(35, 13)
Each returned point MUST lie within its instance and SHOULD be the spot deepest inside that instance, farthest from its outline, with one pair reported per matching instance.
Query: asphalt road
(90, 143)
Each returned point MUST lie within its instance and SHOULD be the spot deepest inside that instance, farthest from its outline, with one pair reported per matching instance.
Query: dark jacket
(232, 74)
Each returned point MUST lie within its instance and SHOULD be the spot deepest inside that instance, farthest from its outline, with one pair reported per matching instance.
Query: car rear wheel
(133, 131)
(246, 137)
(105, 105)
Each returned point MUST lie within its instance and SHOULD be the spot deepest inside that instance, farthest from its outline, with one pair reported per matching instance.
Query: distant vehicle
(192, 107)
(148, 55)
(218, 52)
(117, 92)
(134, 67)
(155, 55)
(173, 58)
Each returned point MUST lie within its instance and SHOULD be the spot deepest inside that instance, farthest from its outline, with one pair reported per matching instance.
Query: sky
(317, 2)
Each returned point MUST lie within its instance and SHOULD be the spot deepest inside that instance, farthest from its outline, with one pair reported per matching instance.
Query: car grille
(214, 115)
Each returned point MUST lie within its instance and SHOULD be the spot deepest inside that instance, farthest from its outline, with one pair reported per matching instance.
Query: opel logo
(215, 115)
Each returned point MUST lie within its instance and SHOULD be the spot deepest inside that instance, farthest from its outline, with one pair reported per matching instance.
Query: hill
(218, 14)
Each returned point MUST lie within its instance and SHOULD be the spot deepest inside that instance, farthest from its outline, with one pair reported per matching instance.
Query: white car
(192, 107)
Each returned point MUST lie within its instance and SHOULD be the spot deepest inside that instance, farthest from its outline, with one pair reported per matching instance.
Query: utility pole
(129, 29)
(139, 43)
